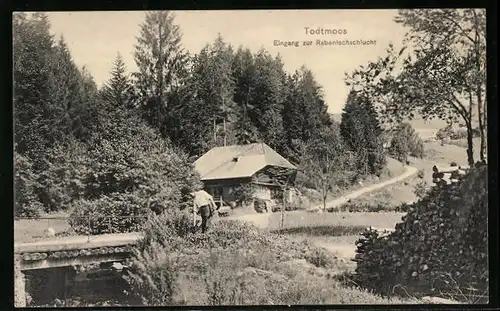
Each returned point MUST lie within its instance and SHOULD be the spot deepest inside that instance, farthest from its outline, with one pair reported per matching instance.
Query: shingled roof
(238, 161)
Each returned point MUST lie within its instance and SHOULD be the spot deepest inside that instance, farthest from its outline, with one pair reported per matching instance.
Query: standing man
(205, 206)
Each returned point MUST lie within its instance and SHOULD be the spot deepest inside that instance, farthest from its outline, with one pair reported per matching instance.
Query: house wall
(224, 188)
(262, 192)
(263, 185)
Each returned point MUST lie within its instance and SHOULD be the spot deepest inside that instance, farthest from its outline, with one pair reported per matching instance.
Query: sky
(95, 38)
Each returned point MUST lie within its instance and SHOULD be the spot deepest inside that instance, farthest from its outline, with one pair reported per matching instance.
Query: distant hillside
(424, 128)
(417, 123)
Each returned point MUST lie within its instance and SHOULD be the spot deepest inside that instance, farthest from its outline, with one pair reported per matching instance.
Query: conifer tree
(162, 71)
(245, 76)
(362, 133)
(32, 65)
(118, 91)
(268, 100)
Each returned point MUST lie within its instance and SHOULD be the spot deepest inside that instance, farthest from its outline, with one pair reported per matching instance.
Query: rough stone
(19, 285)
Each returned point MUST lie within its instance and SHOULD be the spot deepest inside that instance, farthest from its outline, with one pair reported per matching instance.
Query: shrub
(320, 258)
(302, 203)
(364, 207)
(405, 142)
(61, 174)
(453, 163)
(144, 164)
(403, 208)
(439, 248)
(26, 203)
(154, 267)
(421, 174)
(459, 134)
(444, 133)
(244, 193)
(421, 189)
(131, 175)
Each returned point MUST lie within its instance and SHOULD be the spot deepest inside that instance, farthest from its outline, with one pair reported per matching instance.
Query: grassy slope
(32, 230)
(435, 155)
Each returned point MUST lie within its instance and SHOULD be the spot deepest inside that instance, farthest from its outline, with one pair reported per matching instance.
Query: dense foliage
(362, 134)
(440, 248)
(133, 138)
(328, 163)
(89, 151)
(26, 202)
(406, 142)
(439, 72)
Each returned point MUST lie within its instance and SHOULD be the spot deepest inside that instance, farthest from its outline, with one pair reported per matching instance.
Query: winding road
(262, 219)
(409, 171)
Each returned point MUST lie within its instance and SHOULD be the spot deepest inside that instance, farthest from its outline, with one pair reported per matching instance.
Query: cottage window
(217, 191)
(276, 194)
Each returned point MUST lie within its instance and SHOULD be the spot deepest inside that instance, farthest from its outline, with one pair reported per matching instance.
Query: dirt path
(262, 220)
(343, 249)
(409, 171)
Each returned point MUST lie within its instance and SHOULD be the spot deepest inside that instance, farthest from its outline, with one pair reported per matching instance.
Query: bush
(116, 213)
(61, 175)
(353, 207)
(405, 142)
(459, 134)
(302, 203)
(131, 175)
(320, 258)
(439, 248)
(404, 208)
(145, 164)
(154, 268)
(444, 133)
(421, 189)
(421, 174)
(26, 203)
(244, 193)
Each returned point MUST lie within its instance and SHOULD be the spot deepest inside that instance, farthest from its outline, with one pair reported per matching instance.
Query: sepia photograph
(250, 157)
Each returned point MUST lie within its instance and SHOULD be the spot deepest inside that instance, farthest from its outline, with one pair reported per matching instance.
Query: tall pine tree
(32, 65)
(305, 112)
(245, 76)
(162, 71)
(213, 84)
(268, 101)
(117, 92)
(362, 133)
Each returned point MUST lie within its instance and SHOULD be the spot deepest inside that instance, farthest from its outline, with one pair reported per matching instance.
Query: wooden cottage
(224, 169)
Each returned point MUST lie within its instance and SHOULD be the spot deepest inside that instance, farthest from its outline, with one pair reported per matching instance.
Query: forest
(133, 140)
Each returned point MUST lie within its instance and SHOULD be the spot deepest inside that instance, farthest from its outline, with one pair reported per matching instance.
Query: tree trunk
(481, 130)
(470, 145)
(479, 91)
(480, 114)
